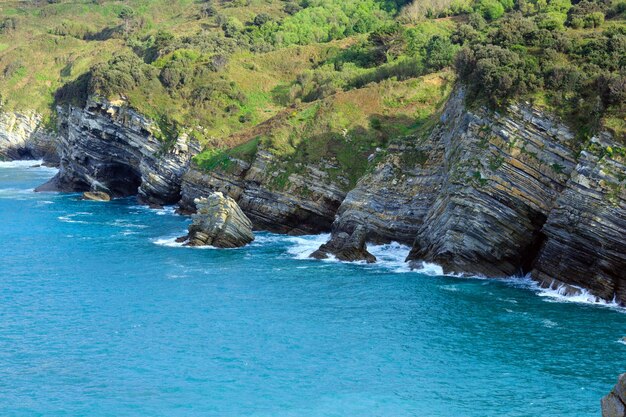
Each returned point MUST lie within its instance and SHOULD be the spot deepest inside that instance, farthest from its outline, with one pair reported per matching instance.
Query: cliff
(485, 193)
(110, 147)
(23, 137)
(501, 194)
(306, 204)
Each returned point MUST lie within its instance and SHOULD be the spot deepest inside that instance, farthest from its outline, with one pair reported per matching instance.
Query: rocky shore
(486, 193)
(22, 136)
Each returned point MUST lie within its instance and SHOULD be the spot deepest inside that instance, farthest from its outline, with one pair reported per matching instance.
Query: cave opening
(531, 252)
(120, 179)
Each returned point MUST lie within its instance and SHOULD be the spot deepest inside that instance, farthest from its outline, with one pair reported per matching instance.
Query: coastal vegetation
(326, 77)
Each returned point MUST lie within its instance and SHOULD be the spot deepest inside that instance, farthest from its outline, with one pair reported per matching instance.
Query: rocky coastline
(486, 193)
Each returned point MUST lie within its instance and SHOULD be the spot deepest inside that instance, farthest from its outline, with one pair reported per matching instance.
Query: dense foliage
(218, 67)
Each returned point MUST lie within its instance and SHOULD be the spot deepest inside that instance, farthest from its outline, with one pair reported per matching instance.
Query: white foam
(563, 294)
(70, 219)
(549, 323)
(170, 242)
(27, 164)
(125, 224)
(622, 341)
(303, 246)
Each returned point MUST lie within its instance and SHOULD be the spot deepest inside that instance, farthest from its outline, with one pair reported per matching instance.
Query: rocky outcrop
(110, 147)
(219, 222)
(345, 247)
(585, 233)
(306, 204)
(499, 194)
(23, 137)
(614, 404)
(501, 177)
(96, 196)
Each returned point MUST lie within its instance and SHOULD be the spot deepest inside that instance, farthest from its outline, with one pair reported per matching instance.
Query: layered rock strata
(306, 205)
(499, 194)
(585, 233)
(110, 147)
(219, 222)
(22, 136)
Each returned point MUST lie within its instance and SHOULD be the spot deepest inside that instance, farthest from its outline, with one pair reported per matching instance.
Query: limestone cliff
(486, 193)
(110, 147)
(306, 205)
(501, 194)
(23, 137)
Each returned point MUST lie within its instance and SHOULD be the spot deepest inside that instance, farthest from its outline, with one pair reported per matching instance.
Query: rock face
(219, 222)
(586, 231)
(501, 194)
(110, 147)
(614, 404)
(23, 137)
(346, 247)
(307, 205)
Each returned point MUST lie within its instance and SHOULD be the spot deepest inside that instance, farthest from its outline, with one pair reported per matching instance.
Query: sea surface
(103, 314)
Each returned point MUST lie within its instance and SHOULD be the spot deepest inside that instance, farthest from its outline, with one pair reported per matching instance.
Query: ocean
(102, 313)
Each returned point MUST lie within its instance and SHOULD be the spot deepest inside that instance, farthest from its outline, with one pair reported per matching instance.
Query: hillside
(216, 68)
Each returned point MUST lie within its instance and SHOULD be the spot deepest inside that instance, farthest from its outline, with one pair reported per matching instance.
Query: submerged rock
(96, 196)
(219, 222)
(614, 404)
(345, 247)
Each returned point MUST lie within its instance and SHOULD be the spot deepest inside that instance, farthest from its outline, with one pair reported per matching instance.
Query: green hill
(216, 69)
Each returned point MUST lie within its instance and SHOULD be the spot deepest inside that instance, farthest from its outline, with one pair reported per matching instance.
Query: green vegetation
(313, 81)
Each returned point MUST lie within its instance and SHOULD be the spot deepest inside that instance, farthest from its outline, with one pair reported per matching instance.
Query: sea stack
(219, 222)
(614, 404)
(345, 247)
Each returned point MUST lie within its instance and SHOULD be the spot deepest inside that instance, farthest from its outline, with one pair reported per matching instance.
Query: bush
(123, 73)
(439, 53)
(491, 9)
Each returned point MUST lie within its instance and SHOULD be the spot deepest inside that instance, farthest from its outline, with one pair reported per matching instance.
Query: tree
(491, 9)
(127, 14)
(439, 52)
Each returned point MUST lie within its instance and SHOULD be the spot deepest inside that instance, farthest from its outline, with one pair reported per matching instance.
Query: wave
(563, 293)
(303, 246)
(392, 256)
(69, 219)
(27, 164)
(622, 341)
(170, 242)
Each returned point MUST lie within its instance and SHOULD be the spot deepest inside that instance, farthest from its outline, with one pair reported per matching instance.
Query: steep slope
(501, 194)
(110, 147)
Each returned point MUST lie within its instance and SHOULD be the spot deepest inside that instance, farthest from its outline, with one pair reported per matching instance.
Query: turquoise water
(102, 315)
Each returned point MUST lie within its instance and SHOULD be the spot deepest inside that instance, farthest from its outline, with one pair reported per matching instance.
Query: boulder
(345, 247)
(614, 404)
(96, 196)
(219, 222)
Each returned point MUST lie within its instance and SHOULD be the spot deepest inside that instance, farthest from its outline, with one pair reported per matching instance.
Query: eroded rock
(345, 247)
(614, 404)
(96, 196)
(219, 222)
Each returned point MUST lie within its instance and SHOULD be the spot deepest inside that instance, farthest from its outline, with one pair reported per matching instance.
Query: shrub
(491, 9)
(439, 53)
